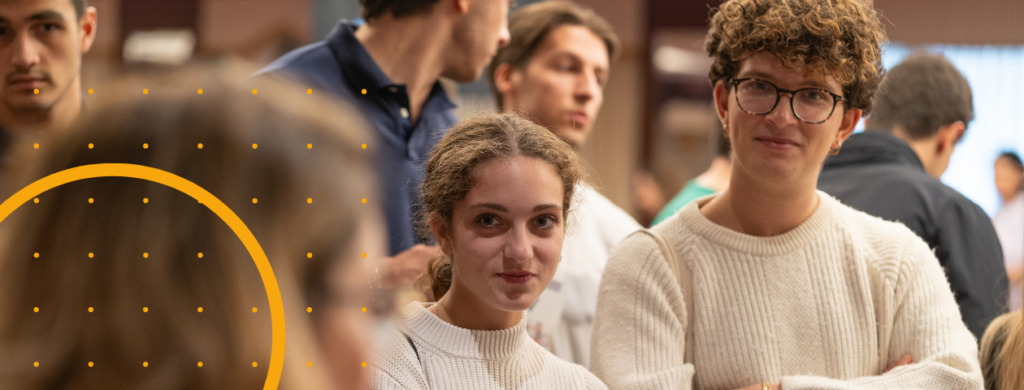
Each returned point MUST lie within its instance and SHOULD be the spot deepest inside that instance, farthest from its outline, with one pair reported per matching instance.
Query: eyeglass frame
(735, 83)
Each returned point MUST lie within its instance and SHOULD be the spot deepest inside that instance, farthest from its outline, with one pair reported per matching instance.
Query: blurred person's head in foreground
(497, 194)
(102, 279)
(1002, 352)
(468, 32)
(41, 47)
(791, 78)
(926, 102)
(1009, 174)
(555, 67)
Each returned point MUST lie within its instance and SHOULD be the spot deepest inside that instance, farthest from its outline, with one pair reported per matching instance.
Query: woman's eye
(546, 221)
(488, 220)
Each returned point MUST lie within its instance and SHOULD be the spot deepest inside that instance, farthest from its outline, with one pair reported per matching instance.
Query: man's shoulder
(315, 65)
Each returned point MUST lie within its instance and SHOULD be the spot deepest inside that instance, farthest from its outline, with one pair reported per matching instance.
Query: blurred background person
(497, 193)
(1002, 351)
(553, 71)
(128, 284)
(892, 171)
(791, 289)
(715, 179)
(41, 47)
(389, 68)
(1009, 221)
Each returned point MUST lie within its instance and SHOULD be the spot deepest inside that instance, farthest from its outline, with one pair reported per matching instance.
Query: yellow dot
(36, 91)
(254, 309)
(200, 146)
(364, 364)
(90, 200)
(145, 146)
(35, 309)
(254, 91)
(200, 309)
(254, 200)
(145, 364)
(145, 91)
(254, 364)
(364, 255)
(35, 364)
(145, 200)
(90, 309)
(90, 146)
(364, 91)
(200, 91)
(200, 364)
(309, 255)
(36, 200)
(309, 200)
(309, 364)
(254, 146)
(90, 91)
(309, 91)
(309, 146)
(90, 255)
(90, 364)
(364, 200)
(145, 309)
(36, 255)
(364, 146)
(145, 255)
(200, 255)
(36, 146)
(309, 310)
(364, 310)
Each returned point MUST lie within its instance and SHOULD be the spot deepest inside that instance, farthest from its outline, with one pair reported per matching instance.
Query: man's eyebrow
(493, 206)
(46, 15)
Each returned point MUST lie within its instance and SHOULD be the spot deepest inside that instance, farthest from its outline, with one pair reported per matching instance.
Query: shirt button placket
(404, 112)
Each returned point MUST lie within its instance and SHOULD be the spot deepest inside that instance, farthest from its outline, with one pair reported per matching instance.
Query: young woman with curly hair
(788, 288)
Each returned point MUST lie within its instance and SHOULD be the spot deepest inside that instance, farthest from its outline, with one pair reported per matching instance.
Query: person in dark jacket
(892, 171)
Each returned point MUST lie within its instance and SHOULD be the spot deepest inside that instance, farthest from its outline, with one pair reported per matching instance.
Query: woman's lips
(516, 277)
(776, 143)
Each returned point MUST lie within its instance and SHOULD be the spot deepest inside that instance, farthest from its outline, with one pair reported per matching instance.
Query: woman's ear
(850, 119)
(441, 232)
(506, 82)
(722, 103)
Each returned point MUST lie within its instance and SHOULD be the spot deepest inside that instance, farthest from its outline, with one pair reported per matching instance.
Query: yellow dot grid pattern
(204, 197)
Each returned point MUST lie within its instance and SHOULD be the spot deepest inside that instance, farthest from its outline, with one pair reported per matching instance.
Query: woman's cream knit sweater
(827, 305)
(449, 357)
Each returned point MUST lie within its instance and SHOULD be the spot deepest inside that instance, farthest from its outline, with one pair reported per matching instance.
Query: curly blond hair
(841, 38)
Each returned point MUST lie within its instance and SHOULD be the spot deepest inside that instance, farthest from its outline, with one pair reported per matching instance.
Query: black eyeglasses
(759, 97)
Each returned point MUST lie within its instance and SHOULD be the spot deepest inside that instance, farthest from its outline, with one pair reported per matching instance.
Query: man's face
(41, 47)
(779, 147)
(561, 86)
(476, 38)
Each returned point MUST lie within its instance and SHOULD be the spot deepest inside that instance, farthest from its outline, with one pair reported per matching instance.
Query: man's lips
(26, 82)
(579, 118)
(777, 143)
(516, 277)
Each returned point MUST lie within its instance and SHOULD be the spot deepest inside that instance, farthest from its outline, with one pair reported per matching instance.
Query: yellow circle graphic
(203, 196)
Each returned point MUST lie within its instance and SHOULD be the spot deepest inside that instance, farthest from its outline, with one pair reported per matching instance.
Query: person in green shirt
(713, 180)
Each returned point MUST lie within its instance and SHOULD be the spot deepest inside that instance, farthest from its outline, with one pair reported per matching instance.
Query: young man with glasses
(892, 171)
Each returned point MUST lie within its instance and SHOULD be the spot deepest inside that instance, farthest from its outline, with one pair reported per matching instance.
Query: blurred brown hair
(841, 38)
(262, 154)
(530, 25)
(1002, 352)
(486, 137)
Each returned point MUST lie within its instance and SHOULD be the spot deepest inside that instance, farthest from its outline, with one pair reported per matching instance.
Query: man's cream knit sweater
(827, 305)
(448, 357)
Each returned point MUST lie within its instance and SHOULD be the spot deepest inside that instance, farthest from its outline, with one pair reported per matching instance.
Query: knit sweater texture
(450, 357)
(827, 305)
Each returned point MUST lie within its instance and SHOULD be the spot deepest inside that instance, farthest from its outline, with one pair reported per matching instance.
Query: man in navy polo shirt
(389, 67)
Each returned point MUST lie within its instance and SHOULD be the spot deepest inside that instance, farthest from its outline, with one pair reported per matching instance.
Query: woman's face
(779, 148)
(506, 234)
(1008, 178)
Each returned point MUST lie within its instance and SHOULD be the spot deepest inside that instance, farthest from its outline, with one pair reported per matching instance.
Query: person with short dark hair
(553, 71)
(1009, 222)
(41, 47)
(389, 67)
(892, 171)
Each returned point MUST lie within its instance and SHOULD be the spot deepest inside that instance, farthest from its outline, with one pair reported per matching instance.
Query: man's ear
(506, 82)
(949, 135)
(461, 6)
(850, 119)
(722, 103)
(87, 26)
(440, 229)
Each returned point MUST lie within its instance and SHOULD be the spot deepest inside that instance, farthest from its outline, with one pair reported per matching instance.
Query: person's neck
(924, 149)
(463, 310)
(716, 178)
(57, 117)
(409, 51)
(756, 208)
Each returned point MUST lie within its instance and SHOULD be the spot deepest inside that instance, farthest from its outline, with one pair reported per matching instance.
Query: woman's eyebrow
(493, 206)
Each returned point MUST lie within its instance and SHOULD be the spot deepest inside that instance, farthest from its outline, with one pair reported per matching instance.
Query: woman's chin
(517, 301)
